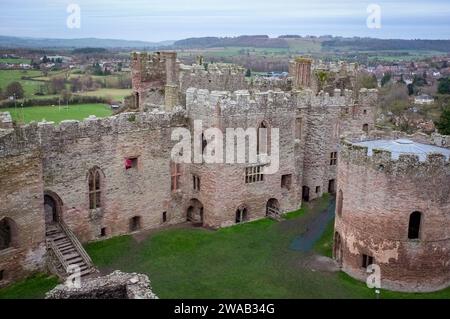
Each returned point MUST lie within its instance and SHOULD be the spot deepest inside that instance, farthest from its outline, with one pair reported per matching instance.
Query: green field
(252, 260)
(15, 61)
(57, 114)
(30, 87)
(116, 94)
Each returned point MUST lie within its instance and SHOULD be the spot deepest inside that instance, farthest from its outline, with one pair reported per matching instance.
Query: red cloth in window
(128, 163)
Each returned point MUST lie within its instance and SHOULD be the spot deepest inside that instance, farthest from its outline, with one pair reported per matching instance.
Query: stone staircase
(67, 252)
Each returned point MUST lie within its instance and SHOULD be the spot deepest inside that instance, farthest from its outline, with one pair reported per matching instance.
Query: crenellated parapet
(391, 160)
(238, 101)
(35, 135)
(254, 101)
(212, 69)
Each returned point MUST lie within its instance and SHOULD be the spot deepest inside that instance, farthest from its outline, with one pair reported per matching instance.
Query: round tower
(393, 211)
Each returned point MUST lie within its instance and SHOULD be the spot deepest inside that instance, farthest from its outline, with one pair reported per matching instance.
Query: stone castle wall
(70, 150)
(21, 204)
(379, 194)
(310, 125)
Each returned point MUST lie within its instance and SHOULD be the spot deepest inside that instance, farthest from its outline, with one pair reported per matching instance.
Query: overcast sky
(157, 20)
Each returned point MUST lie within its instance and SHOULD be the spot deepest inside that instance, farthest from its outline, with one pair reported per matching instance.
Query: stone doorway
(241, 214)
(194, 213)
(52, 208)
(332, 186)
(272, 207)
(305, 193)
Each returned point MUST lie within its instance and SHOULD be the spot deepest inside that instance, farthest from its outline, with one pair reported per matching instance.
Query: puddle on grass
(314, 230)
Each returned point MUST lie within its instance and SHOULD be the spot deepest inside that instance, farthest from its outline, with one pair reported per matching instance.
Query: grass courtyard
(253, 260)
(57, 114)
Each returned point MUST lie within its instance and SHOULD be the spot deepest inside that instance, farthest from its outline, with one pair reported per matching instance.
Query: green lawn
(252, 260)
(57, 114)
(116, 94)
(30, 87)
(31, 288)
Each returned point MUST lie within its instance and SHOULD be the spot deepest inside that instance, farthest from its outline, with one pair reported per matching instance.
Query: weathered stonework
(379, 194)
(117, 285)
(132, 154)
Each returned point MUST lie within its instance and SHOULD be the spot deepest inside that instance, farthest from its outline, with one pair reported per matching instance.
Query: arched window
(95, 181)
(8, 233)
(340, 202)
(414, 225)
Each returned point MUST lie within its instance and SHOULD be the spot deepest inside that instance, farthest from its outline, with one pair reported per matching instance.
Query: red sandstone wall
(21, 200)
(378, 201)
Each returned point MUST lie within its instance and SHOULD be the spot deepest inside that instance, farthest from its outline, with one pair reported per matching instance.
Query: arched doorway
(305, 193)
(337, 251)
(52, 208)
(272, 207)
(135, 223)
(194, 213)
(241, 214)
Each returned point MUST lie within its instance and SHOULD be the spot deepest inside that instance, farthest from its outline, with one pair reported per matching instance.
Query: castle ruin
(76, 182)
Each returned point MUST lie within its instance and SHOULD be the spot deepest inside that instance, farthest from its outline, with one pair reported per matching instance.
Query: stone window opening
(8, 233)
(254, 174)
(131, 162)
(164, 217)
(414, 225)
(331, 186)
(95, 189)
(317, 189)
(196, 183)
(367, 261)
(365, 112)
(175, 172)
(204, 143)
(286, 181)
(137, 100)
(2, 275)
(262, 137)
(135, 223)
(103, 232)
(366, 128)
(333, 158)
(241, 215)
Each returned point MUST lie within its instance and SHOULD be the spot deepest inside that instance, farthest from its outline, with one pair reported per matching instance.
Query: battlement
(407, 157)
(213, 68)
(34, 135)
(244, 100)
